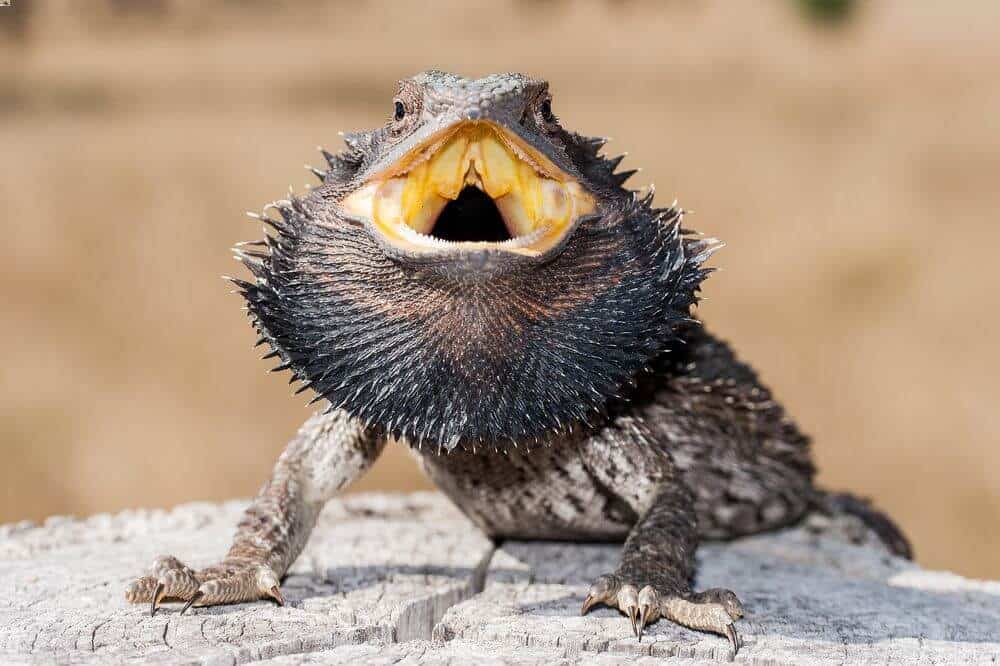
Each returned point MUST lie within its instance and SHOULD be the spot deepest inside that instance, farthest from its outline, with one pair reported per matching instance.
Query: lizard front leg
(329, 452)
(654, 577)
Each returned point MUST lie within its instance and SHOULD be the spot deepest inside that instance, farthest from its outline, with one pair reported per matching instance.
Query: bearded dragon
(475, 281)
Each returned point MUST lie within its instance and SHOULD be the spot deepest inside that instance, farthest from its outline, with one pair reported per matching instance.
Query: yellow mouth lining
(537, 202)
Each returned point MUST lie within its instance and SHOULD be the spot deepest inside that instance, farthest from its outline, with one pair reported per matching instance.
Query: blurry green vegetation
(829, 12)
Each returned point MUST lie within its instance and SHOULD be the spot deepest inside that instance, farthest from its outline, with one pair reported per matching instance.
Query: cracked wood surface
(389, 578)
(811, 598)
(378, 569)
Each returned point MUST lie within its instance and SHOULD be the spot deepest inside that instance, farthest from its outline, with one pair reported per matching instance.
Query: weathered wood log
(406, 577)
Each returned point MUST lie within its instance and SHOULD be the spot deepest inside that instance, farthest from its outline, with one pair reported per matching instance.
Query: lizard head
(471, 167)
(471, 272)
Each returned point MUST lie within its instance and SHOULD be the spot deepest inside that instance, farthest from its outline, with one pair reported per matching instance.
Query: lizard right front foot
(714, 610)
(232, 581)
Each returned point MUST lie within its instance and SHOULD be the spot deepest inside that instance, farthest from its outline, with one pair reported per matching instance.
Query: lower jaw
(474, 260)
(536, 242)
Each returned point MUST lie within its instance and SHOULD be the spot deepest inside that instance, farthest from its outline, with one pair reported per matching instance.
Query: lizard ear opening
(473, 216)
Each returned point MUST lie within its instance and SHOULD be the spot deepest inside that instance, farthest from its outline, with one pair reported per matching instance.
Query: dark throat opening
(471, 217)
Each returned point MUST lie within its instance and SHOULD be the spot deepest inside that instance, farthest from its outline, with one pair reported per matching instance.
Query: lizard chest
(547, 493)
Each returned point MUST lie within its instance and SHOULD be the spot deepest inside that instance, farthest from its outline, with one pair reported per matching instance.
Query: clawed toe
(157, 597)
(734, 637)
(714, 610)
(603, 591)
(234, 581)
(275, 593)
(628, 603)
(649, 608)
(725, 598)
(194, 599)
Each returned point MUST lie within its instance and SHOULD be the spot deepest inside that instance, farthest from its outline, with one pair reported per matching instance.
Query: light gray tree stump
(390, 578)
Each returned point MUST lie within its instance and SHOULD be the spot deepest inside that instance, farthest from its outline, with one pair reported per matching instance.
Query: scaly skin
(328, 453)
(561, 394)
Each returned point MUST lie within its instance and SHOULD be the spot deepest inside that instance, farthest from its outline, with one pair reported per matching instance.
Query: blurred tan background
(850, 163)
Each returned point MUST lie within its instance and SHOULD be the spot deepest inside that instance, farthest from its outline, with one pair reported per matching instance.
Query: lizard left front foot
(234, 580)
(714, 610)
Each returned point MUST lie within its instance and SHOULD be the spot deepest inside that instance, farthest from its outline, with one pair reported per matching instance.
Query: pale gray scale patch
(546, 493)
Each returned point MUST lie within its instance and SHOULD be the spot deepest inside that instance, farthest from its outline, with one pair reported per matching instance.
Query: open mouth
(476, 186)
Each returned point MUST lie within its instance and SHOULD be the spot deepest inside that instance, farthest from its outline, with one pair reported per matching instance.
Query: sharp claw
(194, 597)
(643, 619)
(588, 603)
(275, 593)
(734, 638)
(157, 598)
(633, 615)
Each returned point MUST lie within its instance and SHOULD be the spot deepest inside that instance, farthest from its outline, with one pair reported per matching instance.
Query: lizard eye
(399, 111)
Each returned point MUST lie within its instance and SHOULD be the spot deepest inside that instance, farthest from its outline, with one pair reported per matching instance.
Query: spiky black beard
(450, 355)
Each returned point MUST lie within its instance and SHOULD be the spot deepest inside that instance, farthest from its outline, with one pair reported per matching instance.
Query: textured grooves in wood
(418, 619)
(389, 578)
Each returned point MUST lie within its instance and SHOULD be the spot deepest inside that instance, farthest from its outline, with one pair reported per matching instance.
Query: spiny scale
(346, 354)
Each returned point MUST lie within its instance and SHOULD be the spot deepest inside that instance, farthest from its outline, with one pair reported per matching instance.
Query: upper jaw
(538, 201)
